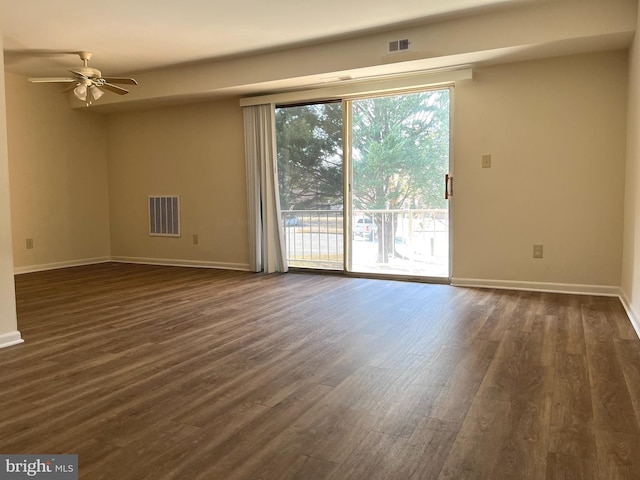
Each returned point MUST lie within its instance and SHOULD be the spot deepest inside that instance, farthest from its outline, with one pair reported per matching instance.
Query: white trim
(183, 263)
(579, 289)
(11, 338)
(359, 87)
(56, 265)
(451, 203)
(140, 260)
(635, 320)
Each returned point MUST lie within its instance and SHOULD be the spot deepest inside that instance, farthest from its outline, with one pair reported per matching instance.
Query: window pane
(310, 175)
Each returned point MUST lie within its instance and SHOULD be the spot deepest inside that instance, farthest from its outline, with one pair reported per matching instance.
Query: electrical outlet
(196, 240)
(537, 251)
(29, 243)
(486, 161)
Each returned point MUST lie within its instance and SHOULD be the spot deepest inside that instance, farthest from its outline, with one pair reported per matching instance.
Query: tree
(309, 148)
(400, 152)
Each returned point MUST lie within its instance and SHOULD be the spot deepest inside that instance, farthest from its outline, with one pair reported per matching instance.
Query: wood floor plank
(562, 467)
(150, 458)
(501, 315)
(617, 455)
(378, 456)
(431, 442)
(457, 394)
(151, 372)
(518, 369)
(236, 452)
(572, 421)
(283, 462)
(524, 448)
(474, 450)
(612, 405)
(628, 352)
(571, 338)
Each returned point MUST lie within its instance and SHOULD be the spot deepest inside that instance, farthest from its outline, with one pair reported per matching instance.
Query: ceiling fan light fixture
(96, 93)
(87, 83)
(80, 92)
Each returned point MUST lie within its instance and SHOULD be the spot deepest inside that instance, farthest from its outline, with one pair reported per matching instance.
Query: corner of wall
(631, 313)
(8, 315)
(630, 281)
(11, 338)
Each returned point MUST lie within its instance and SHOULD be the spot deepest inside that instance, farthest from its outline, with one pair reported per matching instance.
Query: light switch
(486, 161)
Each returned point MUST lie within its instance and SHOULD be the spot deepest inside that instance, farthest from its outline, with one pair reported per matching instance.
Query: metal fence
(315, 238)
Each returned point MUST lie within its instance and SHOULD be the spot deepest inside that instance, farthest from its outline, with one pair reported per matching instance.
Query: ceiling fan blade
(79, 74)
(114, 89)
(69, 88)
(52, 80)
(120, 80)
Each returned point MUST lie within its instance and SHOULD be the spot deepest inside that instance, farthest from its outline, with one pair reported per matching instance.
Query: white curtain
(263, 201)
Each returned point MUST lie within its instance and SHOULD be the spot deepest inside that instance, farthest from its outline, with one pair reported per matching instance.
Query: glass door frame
(347, 164)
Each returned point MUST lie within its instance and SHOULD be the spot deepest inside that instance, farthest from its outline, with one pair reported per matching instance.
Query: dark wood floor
(169, 373)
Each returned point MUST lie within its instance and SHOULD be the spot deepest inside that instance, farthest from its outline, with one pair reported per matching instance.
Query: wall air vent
(396, 46)
(164, 216)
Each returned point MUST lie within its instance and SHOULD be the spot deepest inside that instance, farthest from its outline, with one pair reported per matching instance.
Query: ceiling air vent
(164, 216)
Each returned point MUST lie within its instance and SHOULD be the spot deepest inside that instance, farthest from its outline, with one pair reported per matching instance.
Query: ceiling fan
(88, 82)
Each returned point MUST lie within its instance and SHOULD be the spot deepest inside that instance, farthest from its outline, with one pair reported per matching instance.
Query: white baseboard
(183, 263)
(140, 260)
(579, 289)
(11, 338)
(54, 266)
(635, 320)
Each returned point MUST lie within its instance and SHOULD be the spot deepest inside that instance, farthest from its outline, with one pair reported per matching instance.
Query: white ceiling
(127, 36)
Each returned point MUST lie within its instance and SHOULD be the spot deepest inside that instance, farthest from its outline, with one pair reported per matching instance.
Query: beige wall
(8, 319)
(196, 152)
(556, 132)
(555, 129)
(631, 258)
(58, 172)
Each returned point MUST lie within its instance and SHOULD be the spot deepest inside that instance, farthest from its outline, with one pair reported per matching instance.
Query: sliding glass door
(394, 219)
(399, 158)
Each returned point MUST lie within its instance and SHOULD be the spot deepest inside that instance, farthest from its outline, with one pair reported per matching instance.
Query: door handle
(448, 186)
